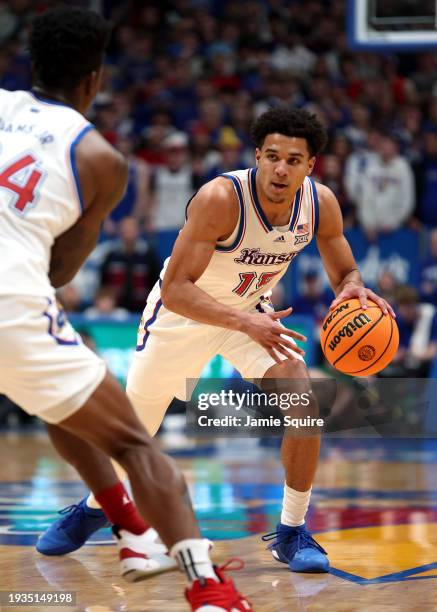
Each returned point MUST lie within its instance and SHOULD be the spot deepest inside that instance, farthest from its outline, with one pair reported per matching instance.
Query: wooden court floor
(374, 510)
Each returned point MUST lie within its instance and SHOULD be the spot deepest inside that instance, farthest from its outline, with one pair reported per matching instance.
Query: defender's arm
(103, 176)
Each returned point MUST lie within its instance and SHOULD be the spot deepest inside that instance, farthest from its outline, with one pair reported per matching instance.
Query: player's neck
(55, 96)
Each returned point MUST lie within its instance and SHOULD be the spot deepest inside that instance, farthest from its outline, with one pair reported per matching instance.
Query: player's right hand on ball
(266, 330)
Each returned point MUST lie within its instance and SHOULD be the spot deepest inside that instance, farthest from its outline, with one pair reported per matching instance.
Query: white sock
(294, 506)
(193, 558)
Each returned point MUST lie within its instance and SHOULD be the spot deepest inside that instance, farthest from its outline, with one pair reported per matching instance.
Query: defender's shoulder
(101, 157)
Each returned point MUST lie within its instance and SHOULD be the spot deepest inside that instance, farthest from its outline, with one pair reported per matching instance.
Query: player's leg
(164, 367)
(150, 401)
(79, 454)
(77, 522)
(146, 556)
(108, 421)
(46, 369)
(300, 451)
(299, 454)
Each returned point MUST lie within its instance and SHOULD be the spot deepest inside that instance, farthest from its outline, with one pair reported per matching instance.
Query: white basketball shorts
(172, 350)
(44, 366)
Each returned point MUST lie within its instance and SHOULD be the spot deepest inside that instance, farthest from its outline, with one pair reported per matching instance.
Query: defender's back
(40, 194)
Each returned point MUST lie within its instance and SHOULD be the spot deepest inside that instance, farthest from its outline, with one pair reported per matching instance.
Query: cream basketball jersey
(40, 194)
(256, 256)
(247, 265)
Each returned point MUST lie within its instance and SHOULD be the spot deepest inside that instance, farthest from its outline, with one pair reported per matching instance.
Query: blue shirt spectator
(428, 274)
(426, 180)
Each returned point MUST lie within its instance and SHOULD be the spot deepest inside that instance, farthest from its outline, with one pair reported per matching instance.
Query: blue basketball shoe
(75, 525)
(296, 547)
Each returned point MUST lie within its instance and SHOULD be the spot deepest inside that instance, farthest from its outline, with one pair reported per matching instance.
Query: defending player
(58, 180)
(242, 231)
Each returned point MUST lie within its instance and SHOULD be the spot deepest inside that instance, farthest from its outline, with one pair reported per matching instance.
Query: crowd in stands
(184, 80)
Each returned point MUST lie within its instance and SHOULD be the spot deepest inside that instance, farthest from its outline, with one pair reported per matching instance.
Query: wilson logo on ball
(349, 329)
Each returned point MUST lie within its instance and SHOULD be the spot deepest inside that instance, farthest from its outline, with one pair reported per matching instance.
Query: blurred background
(184, 80)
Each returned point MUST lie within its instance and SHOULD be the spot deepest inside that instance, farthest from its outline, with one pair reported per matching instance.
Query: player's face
(283, 163)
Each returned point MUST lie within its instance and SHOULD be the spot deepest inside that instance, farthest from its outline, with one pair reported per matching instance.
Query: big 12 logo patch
(301, 239)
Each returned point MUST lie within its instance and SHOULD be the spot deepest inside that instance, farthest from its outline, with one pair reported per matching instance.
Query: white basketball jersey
(40, 194)
(255, 257)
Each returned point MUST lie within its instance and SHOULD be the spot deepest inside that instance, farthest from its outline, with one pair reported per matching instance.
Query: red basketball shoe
(207, 595)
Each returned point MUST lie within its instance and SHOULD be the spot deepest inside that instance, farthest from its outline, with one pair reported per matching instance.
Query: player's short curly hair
(290, 122)
(65, 44)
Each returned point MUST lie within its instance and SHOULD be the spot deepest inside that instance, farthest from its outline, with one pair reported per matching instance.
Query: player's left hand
(355, 290)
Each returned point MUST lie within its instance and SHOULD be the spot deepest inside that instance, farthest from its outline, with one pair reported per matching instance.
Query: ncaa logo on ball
(366, 353)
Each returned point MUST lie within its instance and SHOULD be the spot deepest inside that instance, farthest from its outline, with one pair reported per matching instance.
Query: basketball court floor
(374, 509)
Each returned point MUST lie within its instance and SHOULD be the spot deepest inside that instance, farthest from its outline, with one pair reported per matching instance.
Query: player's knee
(121, 446)
(143, 455)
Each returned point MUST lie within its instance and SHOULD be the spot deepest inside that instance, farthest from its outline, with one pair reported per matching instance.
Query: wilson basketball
(359, 341)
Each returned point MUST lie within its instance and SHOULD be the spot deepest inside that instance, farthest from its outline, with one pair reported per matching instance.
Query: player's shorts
(172, 350)
(44, 366)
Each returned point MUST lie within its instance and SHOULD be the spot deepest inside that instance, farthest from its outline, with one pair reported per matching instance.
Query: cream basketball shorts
(172, 350)
(44, 366)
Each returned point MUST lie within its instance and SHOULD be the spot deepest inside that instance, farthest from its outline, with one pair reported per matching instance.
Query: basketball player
(58, 180)
(243, 229)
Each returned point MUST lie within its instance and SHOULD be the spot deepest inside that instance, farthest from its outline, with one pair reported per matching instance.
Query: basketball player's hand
(355, 290)
(266, 330)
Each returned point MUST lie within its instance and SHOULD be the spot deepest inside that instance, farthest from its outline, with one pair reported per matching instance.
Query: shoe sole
(300, 571)
(138, 575)
(216, 609)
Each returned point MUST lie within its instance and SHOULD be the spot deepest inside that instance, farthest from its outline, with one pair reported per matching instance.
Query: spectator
(417, 334)
(426, 180)
(172, 185)
(136, 200)
(331, 175)
(385, 198)
(359, 127)
(357, 163)
(387, 286)
(130, 268)
(105, 305)
(229, 155)
(428, 274)
(313, 300)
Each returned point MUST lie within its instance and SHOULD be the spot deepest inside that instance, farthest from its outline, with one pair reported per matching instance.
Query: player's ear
(257, 156)
(311, 164)
(92, 82)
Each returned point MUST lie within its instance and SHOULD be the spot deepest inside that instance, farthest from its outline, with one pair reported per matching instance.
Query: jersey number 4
(22, 180)
(247, 279)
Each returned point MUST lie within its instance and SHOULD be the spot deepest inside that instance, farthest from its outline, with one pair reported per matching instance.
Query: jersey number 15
(247, 279)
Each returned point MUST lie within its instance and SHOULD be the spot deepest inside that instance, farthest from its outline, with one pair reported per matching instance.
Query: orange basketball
(359, 341)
